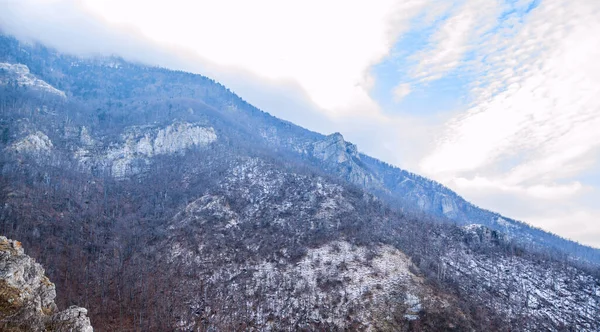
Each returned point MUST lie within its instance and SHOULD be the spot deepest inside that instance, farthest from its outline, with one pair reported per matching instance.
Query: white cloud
(543, 107)
(400, 91)
(533, 126)
(575, 224)
(326, 46)
(235, 52)
(457, 34)
(550, 191)
(272, 61)
(558, 208)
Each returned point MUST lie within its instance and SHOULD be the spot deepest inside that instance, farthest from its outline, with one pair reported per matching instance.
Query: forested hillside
(160, 200)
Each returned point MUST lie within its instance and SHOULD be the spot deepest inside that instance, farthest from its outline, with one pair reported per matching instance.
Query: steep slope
(27, 296)
(186, 208)
(118, 94)
(314, 254)
(413, 192)
(275, 250)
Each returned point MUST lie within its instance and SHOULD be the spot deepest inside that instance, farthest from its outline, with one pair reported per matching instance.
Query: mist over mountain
(160, 200)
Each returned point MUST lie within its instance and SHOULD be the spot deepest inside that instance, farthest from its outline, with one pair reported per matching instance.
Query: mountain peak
(334, 148)
(336, 136)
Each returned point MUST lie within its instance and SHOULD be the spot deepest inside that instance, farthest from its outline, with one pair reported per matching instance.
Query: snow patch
(36, 142)
(367, 275)
(21, 75)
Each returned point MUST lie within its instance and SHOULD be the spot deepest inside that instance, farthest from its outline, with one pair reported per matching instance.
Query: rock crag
(27, 296)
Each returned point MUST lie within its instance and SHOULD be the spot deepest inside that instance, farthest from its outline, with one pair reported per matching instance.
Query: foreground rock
(27, 296)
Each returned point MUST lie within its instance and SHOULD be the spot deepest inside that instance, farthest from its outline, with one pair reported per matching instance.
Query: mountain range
(160, 200)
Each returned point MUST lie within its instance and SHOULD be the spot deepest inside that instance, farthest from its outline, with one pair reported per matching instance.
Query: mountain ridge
(254, 223)
(428, 196)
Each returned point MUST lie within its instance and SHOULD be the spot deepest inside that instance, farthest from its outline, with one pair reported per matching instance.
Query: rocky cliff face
(334, 149)
(414, 192)
(36, 143)
(27, 296)
(129, 155)
(343, 158)
(18, 74)
(141, 143)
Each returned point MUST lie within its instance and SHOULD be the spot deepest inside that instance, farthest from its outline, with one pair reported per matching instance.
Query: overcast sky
(497, 99)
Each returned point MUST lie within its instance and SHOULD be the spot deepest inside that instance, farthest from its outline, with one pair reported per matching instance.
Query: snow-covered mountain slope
(342, 281)
(411, 191)
(187, 208)
(112, 94)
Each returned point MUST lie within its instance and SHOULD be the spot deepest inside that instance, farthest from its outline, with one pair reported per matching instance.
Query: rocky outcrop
(143, 143)
(344, 157)
(34, 143)
(20, 74)
(334, 149)
(138, 144)
(27, 296)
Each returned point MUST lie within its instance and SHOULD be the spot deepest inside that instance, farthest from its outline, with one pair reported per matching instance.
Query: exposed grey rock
(20, 74)
(72, 319)
(333, 148)
(35, 143)
(344, 156)
(27, 296)
(141, 143)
